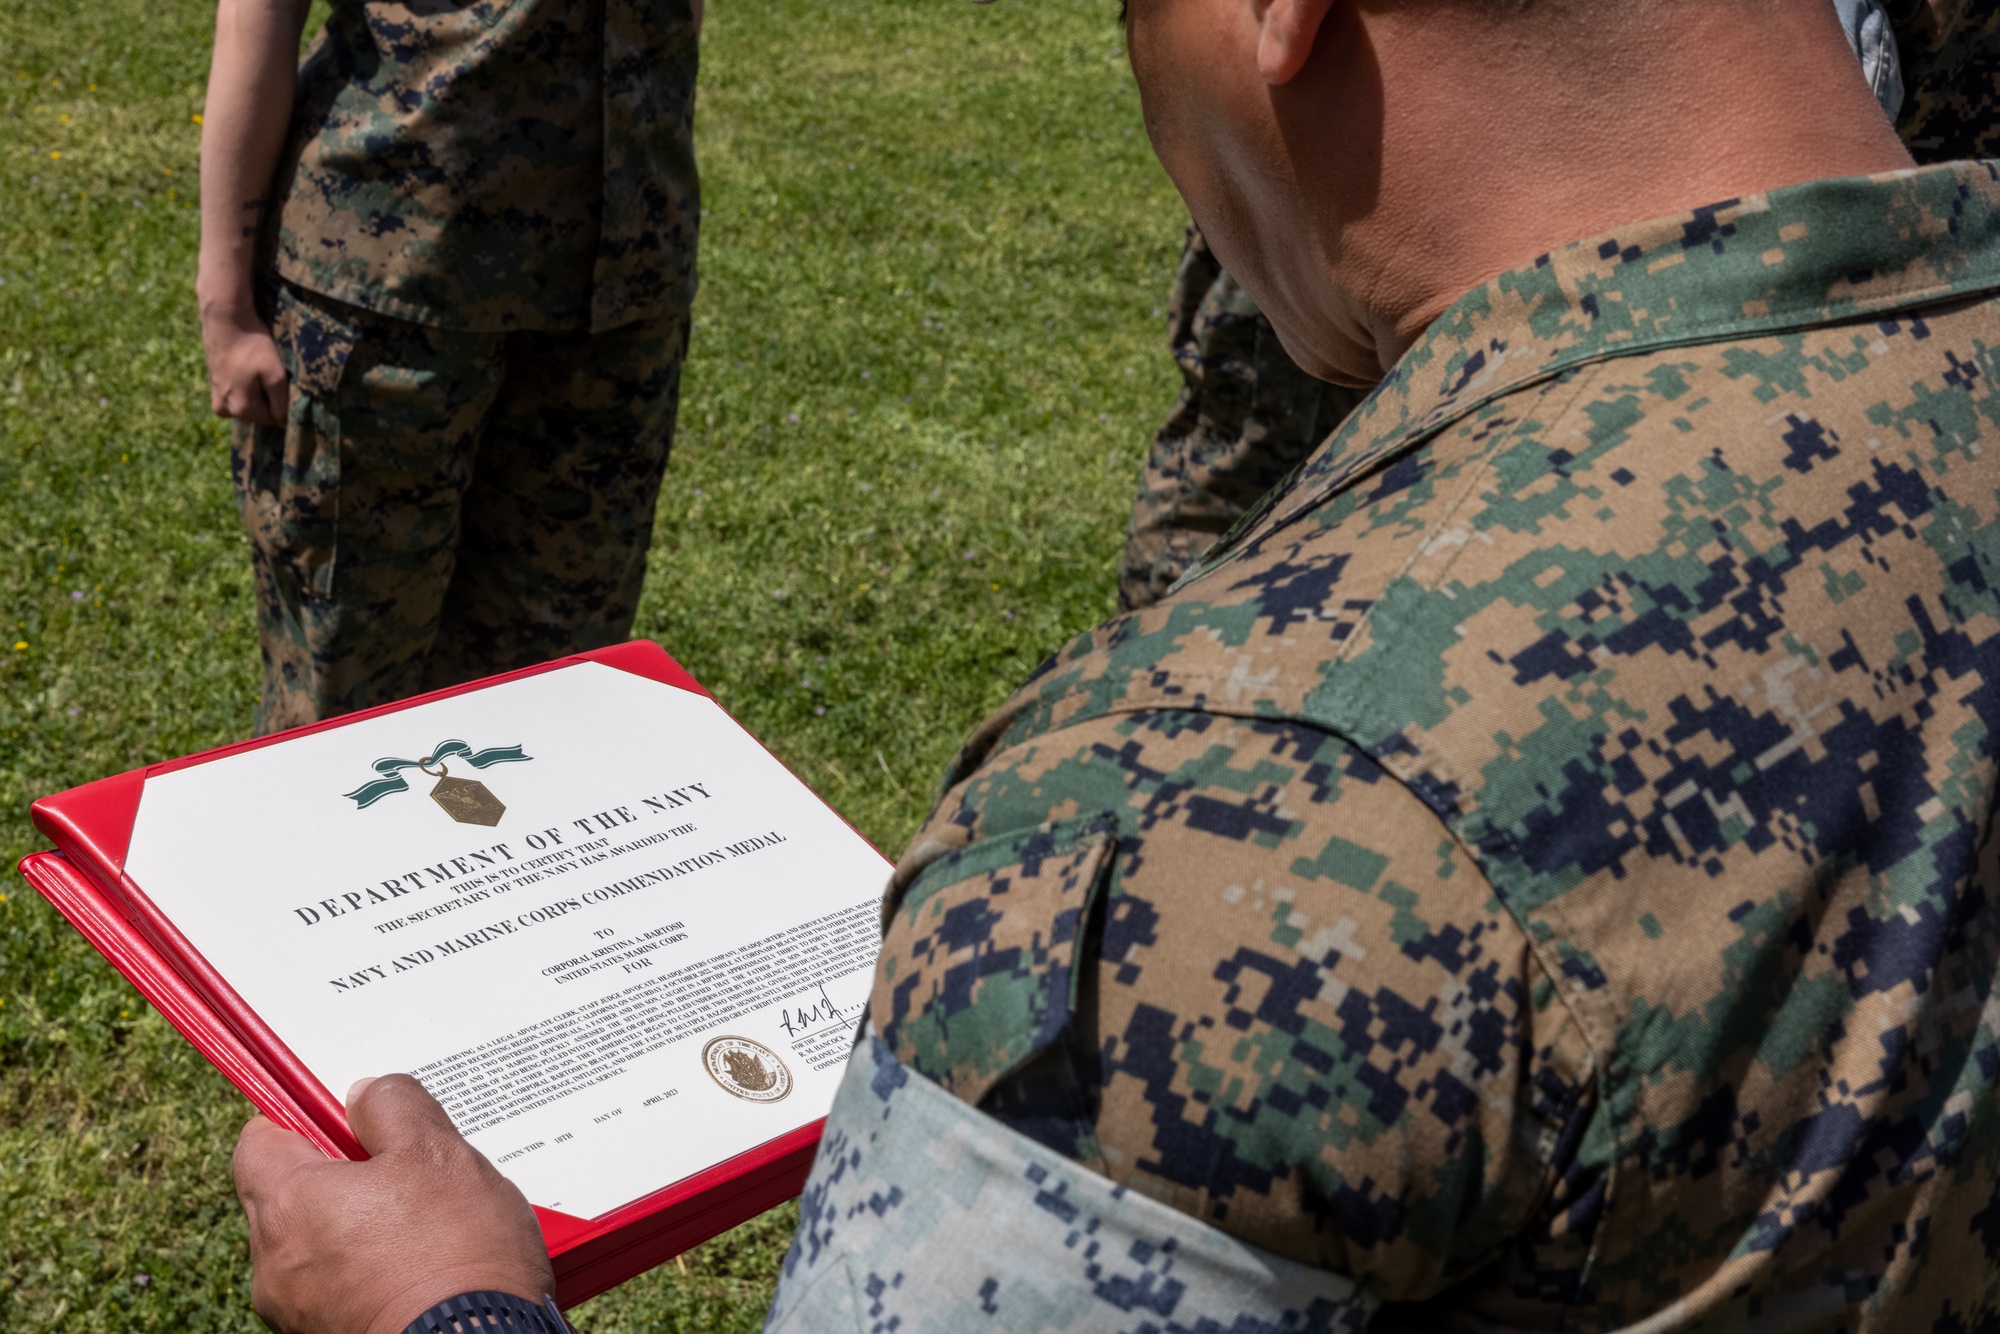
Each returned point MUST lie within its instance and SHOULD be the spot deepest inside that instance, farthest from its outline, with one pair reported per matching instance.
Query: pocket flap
(979, 965)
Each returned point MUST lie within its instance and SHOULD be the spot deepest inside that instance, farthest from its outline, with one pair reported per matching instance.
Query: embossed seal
(750, 1070)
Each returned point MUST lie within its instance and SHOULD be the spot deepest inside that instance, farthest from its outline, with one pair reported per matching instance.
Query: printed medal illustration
(464, 799)
(750, 1070)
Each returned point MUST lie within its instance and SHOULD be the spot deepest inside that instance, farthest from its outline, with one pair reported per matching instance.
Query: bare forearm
(249, 105)
(243, 127)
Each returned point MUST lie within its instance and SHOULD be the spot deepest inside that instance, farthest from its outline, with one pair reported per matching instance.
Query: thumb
(277, 390)
(266, 1154)
(393, 1114)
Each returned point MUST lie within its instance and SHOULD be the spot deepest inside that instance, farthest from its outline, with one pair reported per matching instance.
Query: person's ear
(1289, 29)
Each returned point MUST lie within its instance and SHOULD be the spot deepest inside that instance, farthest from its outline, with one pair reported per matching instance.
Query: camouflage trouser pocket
(288, 478)
(982, 958)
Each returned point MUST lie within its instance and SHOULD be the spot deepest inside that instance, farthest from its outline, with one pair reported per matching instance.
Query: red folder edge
(83, 905)
(92, 825)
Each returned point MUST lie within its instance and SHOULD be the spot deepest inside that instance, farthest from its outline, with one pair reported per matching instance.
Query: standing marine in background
(1247, 415)
(446, 270)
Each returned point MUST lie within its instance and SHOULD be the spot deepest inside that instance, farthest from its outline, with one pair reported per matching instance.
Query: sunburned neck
(1706, 108)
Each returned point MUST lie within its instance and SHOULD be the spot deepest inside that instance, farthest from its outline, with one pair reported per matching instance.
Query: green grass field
(926, 362)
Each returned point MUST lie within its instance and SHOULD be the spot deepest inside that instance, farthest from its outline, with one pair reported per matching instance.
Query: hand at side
(365, 1248)
(246, 380)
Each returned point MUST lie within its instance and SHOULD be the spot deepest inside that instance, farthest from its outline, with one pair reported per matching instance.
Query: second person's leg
(560, 511)
(352, 506)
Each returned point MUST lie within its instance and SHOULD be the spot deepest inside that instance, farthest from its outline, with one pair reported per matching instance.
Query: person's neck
(1716, 107)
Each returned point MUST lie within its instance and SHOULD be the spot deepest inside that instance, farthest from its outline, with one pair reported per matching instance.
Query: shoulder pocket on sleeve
(979, 966)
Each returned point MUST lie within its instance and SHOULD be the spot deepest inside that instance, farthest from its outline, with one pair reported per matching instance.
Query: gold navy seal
(748, 1069)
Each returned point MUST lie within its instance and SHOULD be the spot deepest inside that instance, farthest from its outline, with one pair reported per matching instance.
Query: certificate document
(609, 932)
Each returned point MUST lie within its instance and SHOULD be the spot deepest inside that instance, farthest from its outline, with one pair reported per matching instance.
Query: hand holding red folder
(366, 1248)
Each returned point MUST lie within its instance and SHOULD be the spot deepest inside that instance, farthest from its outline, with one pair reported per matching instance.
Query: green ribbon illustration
(391, 769)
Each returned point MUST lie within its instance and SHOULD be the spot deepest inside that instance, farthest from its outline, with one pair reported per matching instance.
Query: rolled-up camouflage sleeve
(1232, 964)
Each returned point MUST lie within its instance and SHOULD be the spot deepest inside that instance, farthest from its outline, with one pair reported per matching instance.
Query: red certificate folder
(86, 882)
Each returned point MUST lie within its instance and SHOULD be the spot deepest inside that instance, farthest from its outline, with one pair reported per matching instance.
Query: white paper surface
(393, 938)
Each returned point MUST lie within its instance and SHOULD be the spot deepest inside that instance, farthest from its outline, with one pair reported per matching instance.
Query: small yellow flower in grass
(54, 155)
(20, 644)
(196, 118)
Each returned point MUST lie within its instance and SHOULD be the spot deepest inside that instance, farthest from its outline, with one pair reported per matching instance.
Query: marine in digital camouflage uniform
(1539, 874)
(483, 257)
(1246, 414)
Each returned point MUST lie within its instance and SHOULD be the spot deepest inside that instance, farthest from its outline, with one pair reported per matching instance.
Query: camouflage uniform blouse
(500, 164)
(1543, 866)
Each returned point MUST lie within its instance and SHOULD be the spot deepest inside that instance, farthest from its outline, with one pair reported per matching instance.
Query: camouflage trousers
(1246, 416)
(442, 505)
(925, 1216)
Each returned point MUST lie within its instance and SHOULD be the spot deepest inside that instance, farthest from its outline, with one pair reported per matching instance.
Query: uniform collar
(1787, 259)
